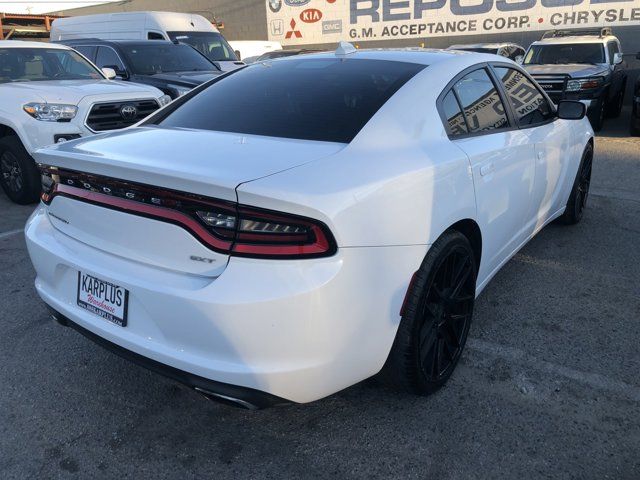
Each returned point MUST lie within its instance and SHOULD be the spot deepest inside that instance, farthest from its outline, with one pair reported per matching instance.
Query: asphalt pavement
(548, 387)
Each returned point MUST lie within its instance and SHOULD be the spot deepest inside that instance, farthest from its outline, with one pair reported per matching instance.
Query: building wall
(247, 20)
(243, 19)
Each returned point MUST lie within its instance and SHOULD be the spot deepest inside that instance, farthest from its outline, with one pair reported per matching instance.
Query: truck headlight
(164, 100)
(584, 84)
(51, 112)
(180, 90)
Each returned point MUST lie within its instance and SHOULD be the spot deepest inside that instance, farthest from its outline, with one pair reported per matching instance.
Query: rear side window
(325, 99)
(455, 122)
(528, 103)
(481, 103)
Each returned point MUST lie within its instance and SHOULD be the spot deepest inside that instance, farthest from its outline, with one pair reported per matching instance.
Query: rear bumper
(223, 392)
(297, 330)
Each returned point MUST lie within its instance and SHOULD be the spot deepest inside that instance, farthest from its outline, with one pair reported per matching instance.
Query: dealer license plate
(103, 298)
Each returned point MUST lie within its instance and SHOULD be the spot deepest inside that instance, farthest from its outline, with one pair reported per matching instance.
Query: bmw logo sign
(275, 5)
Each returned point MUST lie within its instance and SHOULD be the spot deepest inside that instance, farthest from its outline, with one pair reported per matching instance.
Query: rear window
(325, 99)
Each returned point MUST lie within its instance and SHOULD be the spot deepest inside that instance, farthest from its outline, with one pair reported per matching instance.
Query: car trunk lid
(121, 201)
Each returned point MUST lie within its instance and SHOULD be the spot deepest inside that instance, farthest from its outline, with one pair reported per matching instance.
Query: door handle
(487, 168)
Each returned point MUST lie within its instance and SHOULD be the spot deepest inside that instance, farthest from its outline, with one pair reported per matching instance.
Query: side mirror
(238, 54)
(519, 59)
(571, 110)
(617, 58)
(110, 73)
(117, 71)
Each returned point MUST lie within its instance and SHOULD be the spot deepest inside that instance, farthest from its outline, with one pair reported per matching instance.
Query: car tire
(435, 320)
(580, 190)
(596, 117)
(615, 109)
(19, 175)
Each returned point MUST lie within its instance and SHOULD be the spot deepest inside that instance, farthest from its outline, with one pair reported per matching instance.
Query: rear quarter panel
(399, 182)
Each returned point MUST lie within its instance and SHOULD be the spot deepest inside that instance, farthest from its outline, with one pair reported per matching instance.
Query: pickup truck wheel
(580, 191)
(19, 175)
(615, 109)
(596, 117)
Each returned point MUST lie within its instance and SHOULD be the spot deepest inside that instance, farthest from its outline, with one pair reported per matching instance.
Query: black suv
(635, 108)
(174, 68)
(584, 65)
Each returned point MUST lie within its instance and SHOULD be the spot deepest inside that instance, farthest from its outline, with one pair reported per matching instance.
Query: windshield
(321, 99)
(478, 49)
(212, 44)
(554, 54)
(40, 64)
(155, 58)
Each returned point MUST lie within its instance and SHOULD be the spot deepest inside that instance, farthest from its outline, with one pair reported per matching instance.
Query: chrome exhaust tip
(58, 318)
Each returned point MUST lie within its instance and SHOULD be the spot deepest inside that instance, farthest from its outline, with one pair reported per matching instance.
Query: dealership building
(374, 23)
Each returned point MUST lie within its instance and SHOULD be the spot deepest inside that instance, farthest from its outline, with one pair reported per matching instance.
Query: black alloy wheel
(446, 311)
(584, 181)
(436, 318)
(580, 192)
(11, 171)
(19, 176)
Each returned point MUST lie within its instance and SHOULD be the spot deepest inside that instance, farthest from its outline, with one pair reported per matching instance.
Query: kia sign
(328, 21)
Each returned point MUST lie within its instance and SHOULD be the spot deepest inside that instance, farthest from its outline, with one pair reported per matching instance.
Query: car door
(551, 137)
(618, 76)
(501, 159)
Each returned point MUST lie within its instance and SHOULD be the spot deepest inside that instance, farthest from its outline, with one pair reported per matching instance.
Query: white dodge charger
(296, 226)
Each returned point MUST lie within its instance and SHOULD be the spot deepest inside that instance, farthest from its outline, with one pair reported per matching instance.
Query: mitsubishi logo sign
(293, 32)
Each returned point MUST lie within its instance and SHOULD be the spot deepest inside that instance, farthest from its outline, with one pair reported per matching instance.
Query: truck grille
(117, 115)
(554, 85)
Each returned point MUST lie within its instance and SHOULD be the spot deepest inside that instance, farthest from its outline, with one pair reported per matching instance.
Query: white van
(246, 49)
(189, 28)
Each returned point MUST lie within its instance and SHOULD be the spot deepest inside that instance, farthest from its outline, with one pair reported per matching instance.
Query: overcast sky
(43, 6)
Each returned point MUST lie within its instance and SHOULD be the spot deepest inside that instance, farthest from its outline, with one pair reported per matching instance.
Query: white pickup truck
(50, 94)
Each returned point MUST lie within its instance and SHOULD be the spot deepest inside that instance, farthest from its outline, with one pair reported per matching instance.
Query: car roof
(575, 39)
(483, 45)
(25, 44)
(423, 56)
(78, 41)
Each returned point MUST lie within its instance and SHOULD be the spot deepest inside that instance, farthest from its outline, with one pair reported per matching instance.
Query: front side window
(152, 58)
(87, 51)
(565, 53)
(612, 47)
(481, 103)
(528, 103)
(107, 57)
(212, 44)
(42, 64)
(324, 99)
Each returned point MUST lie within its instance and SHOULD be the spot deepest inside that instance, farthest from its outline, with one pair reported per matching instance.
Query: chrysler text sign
(358, 20)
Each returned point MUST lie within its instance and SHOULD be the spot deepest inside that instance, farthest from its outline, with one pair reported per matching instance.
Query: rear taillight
(223, 226)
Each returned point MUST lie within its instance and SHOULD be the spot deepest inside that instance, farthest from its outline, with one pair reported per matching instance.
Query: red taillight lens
(266, 233)
(223, 226)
